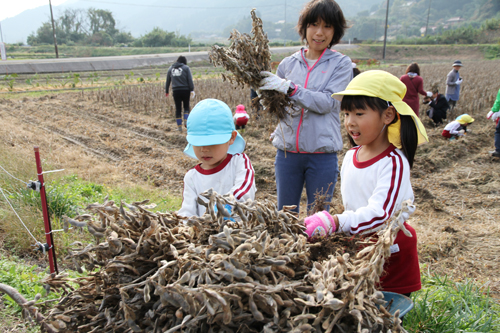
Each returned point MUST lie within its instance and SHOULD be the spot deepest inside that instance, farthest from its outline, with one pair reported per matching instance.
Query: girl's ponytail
(409, 138)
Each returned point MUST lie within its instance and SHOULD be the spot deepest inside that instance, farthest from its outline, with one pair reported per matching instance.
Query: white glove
(271, 81)
(459, 81)
(429, 94)
(461, 133)
(495, 116)
(193, 94)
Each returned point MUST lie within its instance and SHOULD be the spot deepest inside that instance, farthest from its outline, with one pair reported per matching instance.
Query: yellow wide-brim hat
(384, 85)
(465, 119)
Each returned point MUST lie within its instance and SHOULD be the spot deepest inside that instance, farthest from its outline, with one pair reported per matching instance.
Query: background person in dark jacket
(439, 106)
(182, 86)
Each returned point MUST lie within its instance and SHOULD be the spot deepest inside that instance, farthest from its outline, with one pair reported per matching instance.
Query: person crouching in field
(439, 106)
(240, 118)
(375, 174)
(213, 140)
(458, 127)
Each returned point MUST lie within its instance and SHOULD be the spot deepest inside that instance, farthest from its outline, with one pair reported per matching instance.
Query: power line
(180, 7)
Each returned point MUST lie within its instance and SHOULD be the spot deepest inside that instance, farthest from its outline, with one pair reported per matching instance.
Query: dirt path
(130, 136)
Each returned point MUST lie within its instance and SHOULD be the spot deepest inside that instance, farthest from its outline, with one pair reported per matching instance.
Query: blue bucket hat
(211, 123)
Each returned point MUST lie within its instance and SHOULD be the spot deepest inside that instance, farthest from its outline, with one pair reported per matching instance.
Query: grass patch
(67, 195)
(27, 280)
(446, 306)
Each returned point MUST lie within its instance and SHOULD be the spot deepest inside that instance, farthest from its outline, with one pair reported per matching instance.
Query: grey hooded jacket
(452, 87)
(313, 123)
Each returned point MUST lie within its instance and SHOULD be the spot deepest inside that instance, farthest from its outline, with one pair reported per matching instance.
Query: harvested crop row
(247, 271)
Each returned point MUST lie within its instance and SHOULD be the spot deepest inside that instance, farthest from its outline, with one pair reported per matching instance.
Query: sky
(10, 8)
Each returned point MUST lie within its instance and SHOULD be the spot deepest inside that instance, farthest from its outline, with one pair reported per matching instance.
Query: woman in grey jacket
(182, 86)
(310, 133)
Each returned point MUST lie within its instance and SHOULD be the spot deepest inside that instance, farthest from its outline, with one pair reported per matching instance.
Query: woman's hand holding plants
(272, 81)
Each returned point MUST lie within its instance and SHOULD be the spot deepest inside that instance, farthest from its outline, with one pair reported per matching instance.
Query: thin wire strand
(1, 190)
(12, 175)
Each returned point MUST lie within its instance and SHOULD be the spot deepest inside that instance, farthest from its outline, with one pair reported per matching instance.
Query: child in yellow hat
(375, 174)
(458, 127)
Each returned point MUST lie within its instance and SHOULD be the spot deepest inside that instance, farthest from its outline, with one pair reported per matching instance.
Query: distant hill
(185, 17)
(409, 17)
(201, 17)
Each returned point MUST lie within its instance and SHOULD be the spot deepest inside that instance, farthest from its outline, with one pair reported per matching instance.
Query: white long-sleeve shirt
(372, 191)
(454, 127)
(234, 175)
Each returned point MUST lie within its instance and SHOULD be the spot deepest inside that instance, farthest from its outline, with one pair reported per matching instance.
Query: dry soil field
(129, 134)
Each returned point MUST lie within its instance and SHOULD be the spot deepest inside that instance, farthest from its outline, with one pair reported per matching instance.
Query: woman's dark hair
(355, 72)
(435, 88)
(413, 67)
(182, 59)
(408, 129)
(327, 10)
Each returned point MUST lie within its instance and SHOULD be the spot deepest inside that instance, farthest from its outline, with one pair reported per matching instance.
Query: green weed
(448, 307)
(10, 79)
(25, 279)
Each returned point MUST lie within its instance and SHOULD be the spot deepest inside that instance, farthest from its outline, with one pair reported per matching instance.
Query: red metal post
(46, 218)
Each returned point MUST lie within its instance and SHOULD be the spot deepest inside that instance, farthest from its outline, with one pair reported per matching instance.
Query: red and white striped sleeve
(384, 199)
(244, 181)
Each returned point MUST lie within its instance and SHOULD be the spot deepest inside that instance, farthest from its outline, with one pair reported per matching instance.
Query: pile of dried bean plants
(245, 58)
(159, 272)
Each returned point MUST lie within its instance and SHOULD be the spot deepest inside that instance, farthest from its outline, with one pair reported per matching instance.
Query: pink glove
(320, 225)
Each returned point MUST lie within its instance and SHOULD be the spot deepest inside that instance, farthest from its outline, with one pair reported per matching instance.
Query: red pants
(402, 270)
(446, 134)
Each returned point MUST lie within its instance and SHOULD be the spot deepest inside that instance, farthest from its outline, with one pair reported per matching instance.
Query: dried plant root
(245, 58)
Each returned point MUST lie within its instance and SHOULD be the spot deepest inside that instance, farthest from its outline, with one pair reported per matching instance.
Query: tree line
(98, 27)
(408, 18)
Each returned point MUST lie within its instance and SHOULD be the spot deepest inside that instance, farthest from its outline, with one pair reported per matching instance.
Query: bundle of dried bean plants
(245, 58)
(245, 271)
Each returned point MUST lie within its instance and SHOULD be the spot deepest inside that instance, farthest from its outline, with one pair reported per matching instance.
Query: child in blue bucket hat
(214, 141)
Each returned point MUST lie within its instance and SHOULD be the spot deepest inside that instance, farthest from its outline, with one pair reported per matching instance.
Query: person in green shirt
(494, 115)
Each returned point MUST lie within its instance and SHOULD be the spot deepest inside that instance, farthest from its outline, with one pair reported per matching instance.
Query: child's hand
(493, 115)
(319, 225)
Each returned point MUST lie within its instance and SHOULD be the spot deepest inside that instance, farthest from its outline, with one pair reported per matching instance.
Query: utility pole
(3, 53)
(428, 13)
(53, 29)
(385, 32)
(284, 28)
